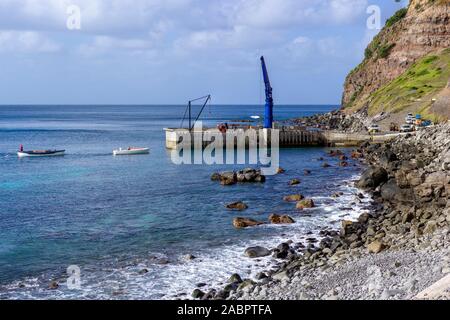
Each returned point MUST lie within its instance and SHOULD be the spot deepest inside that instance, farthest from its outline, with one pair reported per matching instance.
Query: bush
(399, 15)
(385, 51)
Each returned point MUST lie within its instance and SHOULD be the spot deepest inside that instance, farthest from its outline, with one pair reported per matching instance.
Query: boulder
(240, 223)
(235, 278)
(305, 203)
(326, 165)
(343, 164)
(390, 191)
(280, 171)
(376, 246)
(356, 155)
(198, 294)
(293, 198)
(372, 178)
(430, 227)
(53, 285)
(277, 219)
(215, 176)
(260, 178)
(237, 206)
(227, 182)
(294, 182)
(229, 175)
(257, 252)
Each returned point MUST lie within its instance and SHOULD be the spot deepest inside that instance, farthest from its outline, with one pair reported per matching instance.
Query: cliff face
(413, 33)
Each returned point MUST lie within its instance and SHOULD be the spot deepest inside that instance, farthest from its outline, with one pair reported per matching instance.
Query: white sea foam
(212, 266)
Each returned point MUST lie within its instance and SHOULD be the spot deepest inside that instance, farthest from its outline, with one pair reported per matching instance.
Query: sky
(170, 51)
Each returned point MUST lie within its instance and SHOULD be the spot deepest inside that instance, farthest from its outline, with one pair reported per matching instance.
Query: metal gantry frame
(188, 110)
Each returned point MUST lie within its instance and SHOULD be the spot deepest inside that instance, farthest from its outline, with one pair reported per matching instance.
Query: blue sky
(167, 51)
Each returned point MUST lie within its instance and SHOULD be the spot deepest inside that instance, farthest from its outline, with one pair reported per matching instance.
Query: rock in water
(53, 285)
(215, 176)
(240, 223)
(376, 246)
(294, 182)
(293, 198)
(237, 206)
(256, 252)
(235, 278)
(284, 219)
(280, 171)
(305, 203)
(227, 182)
(198, 294)
(326, 165)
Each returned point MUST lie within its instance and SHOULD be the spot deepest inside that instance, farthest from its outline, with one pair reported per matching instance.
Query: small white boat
(131, 151)
(41, 153)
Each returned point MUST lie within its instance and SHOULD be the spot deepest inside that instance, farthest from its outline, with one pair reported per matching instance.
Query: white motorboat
(40, 153)
(131, 151)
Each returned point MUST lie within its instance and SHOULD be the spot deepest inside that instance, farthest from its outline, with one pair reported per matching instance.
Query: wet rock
(343, 164)
(256, 252)
(198, 294)
(326, 165)
(227, 182)
(235, 278)
(260, 276)
(53, 285)
(277, 219)
(240, 222)
(189, 257)
(294, 182)
(293, 198)
(306, 172)
(237, 206)
(215, 176)
(280, 171)
(305, 203)
(246, 284)
(143, 271)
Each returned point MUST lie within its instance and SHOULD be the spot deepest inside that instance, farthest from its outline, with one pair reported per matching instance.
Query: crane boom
(268, 119)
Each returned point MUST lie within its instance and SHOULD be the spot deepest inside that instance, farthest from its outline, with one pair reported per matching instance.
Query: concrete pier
(288, 137)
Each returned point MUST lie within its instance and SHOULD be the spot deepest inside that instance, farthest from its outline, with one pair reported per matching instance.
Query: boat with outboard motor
(131, 151)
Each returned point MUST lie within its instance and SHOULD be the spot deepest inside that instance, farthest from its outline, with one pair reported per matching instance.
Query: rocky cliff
(412, 44)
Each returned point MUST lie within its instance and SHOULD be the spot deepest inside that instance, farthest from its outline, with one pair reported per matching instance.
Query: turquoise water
(114, 216)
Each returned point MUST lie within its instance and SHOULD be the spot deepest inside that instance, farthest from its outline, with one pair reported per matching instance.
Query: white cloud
(179, 25)
(25, 42)
(105, 44)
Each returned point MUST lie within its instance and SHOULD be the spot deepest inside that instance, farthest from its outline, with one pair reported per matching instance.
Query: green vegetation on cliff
(415, 87)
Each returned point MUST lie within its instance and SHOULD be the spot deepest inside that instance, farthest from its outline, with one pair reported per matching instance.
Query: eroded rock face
(424, 29)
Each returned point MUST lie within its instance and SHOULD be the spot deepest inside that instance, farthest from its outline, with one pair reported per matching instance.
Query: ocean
(129, 223)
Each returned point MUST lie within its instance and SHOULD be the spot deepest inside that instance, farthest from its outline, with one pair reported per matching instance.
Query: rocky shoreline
(394, 252)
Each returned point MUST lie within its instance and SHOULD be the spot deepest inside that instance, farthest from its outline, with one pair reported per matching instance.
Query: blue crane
(268, 119)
